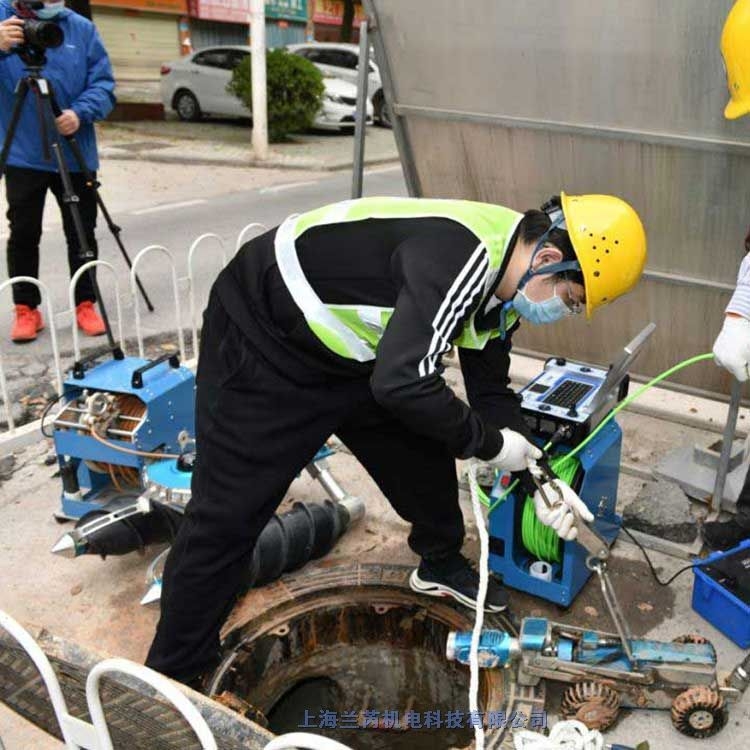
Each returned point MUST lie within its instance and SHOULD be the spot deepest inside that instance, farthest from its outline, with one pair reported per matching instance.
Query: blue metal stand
(168, 395)
(600, 463)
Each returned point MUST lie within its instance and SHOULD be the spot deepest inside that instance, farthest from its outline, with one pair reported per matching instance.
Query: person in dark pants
(732, 345)
(336, 322)
(81, 77)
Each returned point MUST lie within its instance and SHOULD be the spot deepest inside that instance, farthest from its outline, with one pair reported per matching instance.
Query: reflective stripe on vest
(354, 331)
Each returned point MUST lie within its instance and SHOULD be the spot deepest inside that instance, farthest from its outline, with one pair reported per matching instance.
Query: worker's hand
(560, 516)
(11, 34)
(517, 453)
(732, 347)
(68, 122)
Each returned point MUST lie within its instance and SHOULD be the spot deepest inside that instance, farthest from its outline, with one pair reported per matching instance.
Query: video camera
(39, 35)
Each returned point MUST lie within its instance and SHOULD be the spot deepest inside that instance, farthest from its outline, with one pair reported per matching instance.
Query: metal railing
(78, 734)
(185, 289)
(4, 392)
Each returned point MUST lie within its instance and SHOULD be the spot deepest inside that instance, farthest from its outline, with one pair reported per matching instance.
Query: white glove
(732, 347)
(560, 516)
(517, 453)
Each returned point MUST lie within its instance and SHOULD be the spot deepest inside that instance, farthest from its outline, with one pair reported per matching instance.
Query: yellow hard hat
(609, 243)
(735, 49)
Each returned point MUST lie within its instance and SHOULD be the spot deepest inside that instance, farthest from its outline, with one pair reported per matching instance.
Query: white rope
(484, 577)
(565, 735)
(304, 741)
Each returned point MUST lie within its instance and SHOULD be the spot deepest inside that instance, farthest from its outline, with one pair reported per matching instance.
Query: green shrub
(295, 91)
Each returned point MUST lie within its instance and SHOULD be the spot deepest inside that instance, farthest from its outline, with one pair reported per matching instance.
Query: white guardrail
(13, 437)
(79, 734)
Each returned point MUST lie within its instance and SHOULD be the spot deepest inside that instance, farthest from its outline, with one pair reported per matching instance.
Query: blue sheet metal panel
(115, 376)
(534, 633)
(169, 413)
(510, 559)
(658, 652)
(81, 445)
(565, 649)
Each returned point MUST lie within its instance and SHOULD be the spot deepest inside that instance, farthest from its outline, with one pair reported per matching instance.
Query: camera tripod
(48, 110)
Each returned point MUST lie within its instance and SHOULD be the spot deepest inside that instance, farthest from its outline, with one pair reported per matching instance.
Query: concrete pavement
(171, 206)
(227, 143)
(95, 602)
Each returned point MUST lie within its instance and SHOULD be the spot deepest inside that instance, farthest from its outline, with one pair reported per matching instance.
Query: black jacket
(415, 266)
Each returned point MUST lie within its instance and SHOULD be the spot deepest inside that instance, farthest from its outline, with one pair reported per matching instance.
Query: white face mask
(549, 310)
(50, 10)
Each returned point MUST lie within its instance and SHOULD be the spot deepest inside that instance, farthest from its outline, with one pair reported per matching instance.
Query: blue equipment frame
(600, 462)
(168, 394)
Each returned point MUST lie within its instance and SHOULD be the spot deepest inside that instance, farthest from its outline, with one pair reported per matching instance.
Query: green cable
(541, 540)
(557, 465)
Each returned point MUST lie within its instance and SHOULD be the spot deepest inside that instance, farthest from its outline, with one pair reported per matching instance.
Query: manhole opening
(371, 675)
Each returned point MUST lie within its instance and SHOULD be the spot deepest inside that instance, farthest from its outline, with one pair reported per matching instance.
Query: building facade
(141, 34)
(328, 16)
(226, 22)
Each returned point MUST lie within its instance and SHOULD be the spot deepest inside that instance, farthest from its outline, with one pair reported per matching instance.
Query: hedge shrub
(295, 91)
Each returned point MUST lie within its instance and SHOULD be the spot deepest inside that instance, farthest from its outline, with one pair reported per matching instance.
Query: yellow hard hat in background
(735, 49)
(609, 243)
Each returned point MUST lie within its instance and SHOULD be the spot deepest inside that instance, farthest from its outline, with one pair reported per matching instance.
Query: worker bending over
(336, 322)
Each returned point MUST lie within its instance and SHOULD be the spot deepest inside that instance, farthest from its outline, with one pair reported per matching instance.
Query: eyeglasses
(575, 306)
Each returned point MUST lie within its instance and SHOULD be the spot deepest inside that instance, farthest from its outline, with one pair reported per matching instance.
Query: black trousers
(743, 504)
(256, 430)
(26, 190)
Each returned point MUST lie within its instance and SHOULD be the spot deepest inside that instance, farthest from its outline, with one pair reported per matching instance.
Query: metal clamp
(613, 603)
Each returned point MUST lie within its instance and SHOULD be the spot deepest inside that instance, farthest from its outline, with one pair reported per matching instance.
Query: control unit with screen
(577, 395)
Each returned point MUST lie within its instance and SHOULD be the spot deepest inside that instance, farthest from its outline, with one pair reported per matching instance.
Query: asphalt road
(174, 218)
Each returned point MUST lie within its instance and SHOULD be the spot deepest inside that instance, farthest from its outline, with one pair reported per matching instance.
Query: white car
(341, 60)
(196, 85)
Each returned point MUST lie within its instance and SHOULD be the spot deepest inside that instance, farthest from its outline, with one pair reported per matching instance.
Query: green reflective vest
(354, 331)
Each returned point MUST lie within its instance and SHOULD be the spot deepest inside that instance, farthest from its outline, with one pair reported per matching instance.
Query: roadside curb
(309, 166)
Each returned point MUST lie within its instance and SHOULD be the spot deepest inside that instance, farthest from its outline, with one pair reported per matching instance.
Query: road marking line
(168, 207)
(286, 186)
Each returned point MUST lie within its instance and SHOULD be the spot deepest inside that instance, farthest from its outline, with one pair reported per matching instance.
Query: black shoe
(723, 535)
(457, 578)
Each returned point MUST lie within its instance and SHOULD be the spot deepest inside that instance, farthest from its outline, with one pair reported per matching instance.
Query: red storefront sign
(231, 11)
(331, 12)
(238, 11)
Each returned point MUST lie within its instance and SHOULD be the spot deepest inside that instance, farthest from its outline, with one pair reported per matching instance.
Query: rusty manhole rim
(383, 587)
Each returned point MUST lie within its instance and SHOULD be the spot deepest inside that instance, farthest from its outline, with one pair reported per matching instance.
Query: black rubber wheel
(593, 703)
(699, 712)
(187, 107)
(382, 110)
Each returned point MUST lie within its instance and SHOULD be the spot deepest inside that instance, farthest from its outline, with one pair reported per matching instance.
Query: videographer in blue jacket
(81, 77)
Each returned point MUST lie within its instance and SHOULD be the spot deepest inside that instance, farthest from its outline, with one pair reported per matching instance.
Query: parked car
(342, 61)
(196, 85)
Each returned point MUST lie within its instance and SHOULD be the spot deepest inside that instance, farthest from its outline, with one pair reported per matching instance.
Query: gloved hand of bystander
(732, 347)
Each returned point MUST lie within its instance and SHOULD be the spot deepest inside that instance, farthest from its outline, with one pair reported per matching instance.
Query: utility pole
(258, 51)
